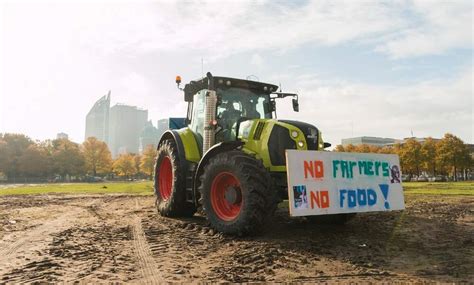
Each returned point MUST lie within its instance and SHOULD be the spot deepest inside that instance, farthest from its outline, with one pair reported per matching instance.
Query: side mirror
(296, 105)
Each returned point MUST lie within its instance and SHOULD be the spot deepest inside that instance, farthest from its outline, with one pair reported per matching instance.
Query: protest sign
(322, 182)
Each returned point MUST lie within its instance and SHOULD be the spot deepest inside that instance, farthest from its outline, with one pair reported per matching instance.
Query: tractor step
(189, 182)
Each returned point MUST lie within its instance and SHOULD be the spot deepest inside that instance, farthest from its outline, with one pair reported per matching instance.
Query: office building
(375, 141)
(148, 136)
(97, 120)
(125, 126)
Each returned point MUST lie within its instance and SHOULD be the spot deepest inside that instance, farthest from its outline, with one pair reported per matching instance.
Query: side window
(197, 122)
(190, 113)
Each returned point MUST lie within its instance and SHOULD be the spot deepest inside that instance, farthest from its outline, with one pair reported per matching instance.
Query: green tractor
(228, 159)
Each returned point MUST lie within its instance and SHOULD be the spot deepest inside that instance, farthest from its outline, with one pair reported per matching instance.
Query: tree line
(449, 156)
(22, 159)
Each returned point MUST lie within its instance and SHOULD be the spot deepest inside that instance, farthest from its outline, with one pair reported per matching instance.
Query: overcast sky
(362, 68)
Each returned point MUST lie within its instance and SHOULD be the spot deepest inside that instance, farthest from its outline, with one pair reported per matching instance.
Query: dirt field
(92, 238)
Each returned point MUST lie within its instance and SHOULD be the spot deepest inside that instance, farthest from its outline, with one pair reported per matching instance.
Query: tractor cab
(236, 101)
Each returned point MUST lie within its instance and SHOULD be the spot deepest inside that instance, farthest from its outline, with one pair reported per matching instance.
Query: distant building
(162, 126)
(170, 124)
(119, 126)
(125, 126)
(62, 136)
(148, 136)
(97, 120)
(375, 141)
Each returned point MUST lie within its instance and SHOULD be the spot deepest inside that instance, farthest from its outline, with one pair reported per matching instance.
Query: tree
(428, 154)
(452, 154)
(97, 156)
(137, 159)
(124, 165)
(34, 162)
(410, 156)
(350, 148)
(147, 162)
(12, 148)
(362, 148)
(387, 150)
(67, 158)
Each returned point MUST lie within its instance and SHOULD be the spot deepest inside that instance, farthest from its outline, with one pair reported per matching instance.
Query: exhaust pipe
(209, 115)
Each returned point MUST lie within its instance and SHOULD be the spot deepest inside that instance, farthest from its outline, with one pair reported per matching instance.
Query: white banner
(322, 182)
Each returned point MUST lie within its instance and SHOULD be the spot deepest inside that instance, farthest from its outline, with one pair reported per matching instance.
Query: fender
(173, 135)
(214, 150)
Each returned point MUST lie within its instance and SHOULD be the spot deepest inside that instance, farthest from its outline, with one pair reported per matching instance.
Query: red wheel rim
(226, 196)
(165, 178)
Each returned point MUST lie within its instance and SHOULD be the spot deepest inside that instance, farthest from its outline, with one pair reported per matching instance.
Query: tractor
(228, 159)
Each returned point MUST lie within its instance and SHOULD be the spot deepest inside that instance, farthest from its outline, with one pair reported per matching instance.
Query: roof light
(178, 79)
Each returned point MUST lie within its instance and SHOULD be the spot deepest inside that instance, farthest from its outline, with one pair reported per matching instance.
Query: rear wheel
(170, 183)
(236, 194)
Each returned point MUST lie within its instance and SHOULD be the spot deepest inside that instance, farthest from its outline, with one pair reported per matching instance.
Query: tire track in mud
(36, 235)
(16, 257)
(146, 262)
(83, 247)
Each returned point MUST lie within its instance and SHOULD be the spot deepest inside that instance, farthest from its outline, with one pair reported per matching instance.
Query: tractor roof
(228, 82)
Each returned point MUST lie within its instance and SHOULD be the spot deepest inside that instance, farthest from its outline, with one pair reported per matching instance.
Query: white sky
(360, 67)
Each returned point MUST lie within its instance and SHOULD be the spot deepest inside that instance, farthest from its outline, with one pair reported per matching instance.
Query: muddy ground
(103, 238)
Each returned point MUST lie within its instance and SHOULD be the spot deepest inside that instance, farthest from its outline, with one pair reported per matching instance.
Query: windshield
(243, 103)
(236, 104)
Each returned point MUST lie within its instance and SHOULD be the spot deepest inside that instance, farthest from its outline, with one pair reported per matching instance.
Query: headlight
(294, 134)
(301, 144)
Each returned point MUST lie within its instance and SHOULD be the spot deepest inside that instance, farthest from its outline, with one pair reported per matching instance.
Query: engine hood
(310, 132)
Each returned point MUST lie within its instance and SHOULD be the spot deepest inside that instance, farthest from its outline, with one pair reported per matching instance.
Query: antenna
(279, 84)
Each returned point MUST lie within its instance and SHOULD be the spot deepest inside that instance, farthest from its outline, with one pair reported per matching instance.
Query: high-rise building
(148, 136)
(97, 120)
(125, 126)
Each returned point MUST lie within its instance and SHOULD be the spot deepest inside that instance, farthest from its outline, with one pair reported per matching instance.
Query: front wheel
(236, 194)
(170, 183)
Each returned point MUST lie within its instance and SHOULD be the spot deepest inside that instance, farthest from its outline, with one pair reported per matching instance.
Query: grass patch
(439, 188)
(138, 188)
(146, 188)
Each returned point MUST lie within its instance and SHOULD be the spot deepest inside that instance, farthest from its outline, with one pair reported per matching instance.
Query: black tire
(257, 200)
(171, 202)
(336, 219)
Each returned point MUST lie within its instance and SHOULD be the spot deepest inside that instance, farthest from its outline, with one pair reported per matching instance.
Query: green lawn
(139, 188)
(439, 188)
(146, 188)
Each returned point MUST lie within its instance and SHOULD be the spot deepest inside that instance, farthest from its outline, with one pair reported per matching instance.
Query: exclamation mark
(384, 189)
